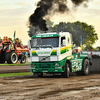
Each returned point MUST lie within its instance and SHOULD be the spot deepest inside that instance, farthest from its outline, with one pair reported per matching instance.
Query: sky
(14, 16)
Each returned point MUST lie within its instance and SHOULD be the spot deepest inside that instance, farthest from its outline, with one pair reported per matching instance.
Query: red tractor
(12, 52)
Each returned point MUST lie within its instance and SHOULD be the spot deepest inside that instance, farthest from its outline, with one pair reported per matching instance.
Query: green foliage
(0, 39)
(19, 40)
(11, 39)
(77, 29)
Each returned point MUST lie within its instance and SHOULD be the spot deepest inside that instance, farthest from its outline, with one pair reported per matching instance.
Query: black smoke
(78, 2)
(44, 6)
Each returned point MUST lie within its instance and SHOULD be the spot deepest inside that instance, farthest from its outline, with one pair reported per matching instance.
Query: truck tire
(67, 70)
(12, 57)
(85, 68)
(40, 75)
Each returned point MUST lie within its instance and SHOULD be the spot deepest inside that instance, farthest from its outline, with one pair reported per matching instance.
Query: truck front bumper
(47, 67)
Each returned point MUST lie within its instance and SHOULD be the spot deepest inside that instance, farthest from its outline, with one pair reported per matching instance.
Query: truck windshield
(45, 42)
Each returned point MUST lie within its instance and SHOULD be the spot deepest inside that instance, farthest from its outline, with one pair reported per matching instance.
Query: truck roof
(53, 34)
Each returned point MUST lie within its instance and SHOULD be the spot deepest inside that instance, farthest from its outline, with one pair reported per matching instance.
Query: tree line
(19, 40)
(77, 29)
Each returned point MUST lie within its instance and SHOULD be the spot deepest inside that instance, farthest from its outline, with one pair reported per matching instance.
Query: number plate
(44, 70)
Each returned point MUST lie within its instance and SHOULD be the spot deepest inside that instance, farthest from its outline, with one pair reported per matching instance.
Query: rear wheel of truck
(85, 68)
(12, 57)
(67, 70)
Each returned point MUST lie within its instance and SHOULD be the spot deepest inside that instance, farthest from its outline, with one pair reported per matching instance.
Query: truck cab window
(62, 38)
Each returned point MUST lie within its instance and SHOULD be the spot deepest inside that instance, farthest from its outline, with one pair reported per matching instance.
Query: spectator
(26, 54)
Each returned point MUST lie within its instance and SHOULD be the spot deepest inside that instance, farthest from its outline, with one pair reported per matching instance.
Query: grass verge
(16, 74)
(27, 63)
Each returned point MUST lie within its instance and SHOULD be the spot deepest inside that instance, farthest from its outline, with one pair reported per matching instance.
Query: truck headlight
(56, 64)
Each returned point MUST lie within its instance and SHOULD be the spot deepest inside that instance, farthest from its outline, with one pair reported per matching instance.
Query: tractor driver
(17, 42)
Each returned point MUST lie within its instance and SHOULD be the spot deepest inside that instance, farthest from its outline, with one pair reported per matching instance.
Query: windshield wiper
(46, 46)
(44, 58)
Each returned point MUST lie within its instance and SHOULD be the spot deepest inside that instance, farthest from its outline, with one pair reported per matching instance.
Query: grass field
(16, 74)
(17, 64)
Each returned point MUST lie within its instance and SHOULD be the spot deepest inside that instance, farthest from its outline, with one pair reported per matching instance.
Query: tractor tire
(2, 58)
(85, 68)
(67, 70)
(12, 57)
(23, 59)
(2, 61)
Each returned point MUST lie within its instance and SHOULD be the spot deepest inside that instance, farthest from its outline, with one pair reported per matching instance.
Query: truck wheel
(40, 75)
(86, 67)
(67, 70)
(12, 57)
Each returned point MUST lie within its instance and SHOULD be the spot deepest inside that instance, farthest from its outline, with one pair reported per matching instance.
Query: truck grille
(44, 66)
(43, 58)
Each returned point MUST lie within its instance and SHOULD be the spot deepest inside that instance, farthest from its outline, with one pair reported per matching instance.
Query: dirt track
(51, 88)
(14, 69)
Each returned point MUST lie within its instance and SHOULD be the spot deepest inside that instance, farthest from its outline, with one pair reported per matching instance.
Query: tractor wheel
(12, 57)
(2, 61)
(23, 59)
(2, 58)
(67, 70)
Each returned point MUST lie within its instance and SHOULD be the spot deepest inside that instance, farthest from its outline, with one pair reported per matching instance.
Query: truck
(11, 52)
(53, 53)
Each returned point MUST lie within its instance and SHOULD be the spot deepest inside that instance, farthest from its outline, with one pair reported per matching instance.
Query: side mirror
(29, 44)
(64, 42)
